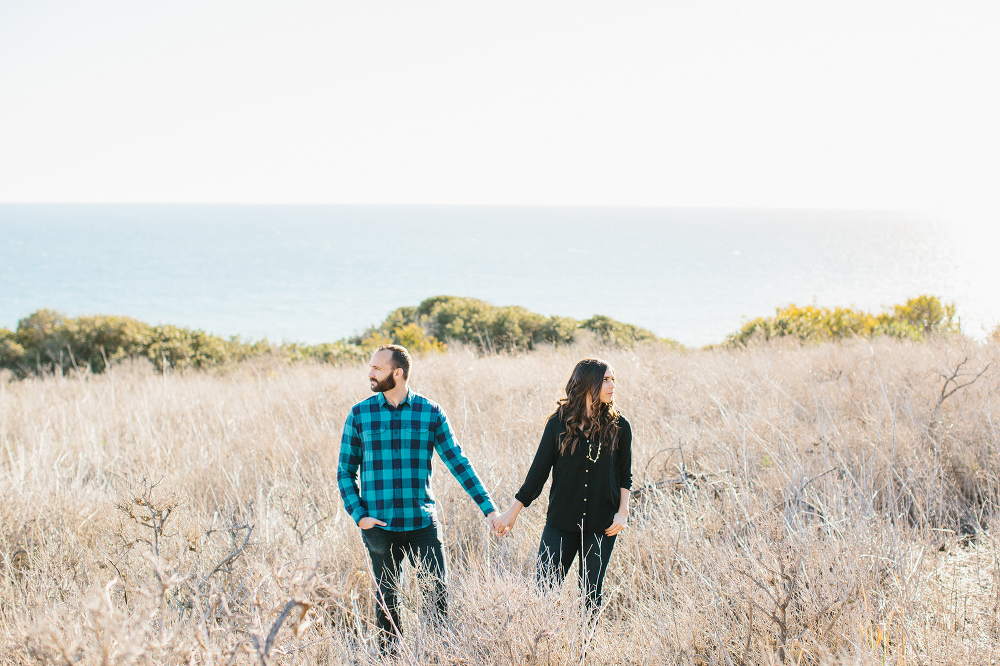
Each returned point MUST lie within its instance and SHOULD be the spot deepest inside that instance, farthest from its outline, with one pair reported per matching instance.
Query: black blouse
(583, 491)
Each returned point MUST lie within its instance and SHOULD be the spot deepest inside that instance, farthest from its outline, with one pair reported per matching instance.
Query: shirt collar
(385, 403)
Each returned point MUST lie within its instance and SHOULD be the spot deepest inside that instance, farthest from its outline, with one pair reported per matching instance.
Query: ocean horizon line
(316, 272)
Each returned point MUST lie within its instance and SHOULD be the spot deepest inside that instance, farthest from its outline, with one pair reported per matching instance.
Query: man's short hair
(400, 358)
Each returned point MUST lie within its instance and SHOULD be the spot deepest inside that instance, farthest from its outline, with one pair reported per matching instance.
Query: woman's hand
(619, 523)
(504, 523)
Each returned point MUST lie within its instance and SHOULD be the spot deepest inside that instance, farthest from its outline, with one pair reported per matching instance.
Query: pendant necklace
(590, 448)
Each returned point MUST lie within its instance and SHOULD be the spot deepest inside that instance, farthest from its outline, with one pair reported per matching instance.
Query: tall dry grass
(793, 504)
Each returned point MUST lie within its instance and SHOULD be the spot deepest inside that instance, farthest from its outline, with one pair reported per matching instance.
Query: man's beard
(386, 384)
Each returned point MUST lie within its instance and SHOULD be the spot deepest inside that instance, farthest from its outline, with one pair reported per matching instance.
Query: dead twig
(955, 378)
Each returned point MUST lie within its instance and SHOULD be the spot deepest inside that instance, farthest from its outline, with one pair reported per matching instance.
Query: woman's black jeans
(387, 549)
(557, 550)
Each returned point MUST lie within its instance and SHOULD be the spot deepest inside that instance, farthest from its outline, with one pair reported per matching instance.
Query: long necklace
(590, 448)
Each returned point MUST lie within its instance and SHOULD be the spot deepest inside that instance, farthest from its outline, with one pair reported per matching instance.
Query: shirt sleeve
(625, 456)
(545, 458)
(460, 467)
(351, 450)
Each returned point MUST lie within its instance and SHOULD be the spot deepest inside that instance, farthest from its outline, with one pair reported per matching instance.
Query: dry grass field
(802, 505)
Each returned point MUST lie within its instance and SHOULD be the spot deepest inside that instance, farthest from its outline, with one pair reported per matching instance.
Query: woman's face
(608, 386)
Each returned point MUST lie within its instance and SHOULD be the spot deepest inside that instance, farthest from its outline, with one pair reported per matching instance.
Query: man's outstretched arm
(460, 467)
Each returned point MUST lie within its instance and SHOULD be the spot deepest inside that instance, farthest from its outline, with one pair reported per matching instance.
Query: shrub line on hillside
(47, 341)
(915, 319)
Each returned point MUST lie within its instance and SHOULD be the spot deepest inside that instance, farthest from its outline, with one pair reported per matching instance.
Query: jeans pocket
(376, 540)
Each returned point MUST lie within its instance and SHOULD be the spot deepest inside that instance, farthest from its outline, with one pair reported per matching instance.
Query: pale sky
(861, 105)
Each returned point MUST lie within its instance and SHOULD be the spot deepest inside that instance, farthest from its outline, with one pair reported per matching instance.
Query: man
(390, 437)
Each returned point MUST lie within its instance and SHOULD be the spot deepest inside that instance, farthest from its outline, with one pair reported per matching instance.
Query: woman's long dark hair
(585, 385)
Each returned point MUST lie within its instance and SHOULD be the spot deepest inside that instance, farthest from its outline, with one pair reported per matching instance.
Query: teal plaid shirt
(392, 448)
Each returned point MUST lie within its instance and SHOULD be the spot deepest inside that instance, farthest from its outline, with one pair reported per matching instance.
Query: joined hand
(491, 521)
(504, 523)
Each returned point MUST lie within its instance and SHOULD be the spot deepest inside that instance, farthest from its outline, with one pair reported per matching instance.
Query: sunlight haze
(792, 105)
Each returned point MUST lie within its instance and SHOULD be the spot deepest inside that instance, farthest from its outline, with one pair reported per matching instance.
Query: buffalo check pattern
(390, 449)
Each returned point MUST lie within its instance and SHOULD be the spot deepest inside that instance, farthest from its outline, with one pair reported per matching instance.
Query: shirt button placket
(587, 468)
(397, 457)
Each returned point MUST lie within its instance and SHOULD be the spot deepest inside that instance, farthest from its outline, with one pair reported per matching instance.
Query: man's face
(380, 372)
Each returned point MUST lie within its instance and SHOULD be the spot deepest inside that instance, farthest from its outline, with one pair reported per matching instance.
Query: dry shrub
(817, 504)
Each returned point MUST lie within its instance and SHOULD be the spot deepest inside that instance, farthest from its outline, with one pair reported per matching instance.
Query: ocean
(320, 273)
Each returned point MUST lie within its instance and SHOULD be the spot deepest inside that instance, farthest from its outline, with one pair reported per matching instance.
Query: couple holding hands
(384, 476)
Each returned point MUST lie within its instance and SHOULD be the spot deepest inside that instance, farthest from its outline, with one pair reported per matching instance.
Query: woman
(587, 445)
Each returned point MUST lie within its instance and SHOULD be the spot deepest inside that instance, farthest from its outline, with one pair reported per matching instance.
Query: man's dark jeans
(557, 550)
(423, 549)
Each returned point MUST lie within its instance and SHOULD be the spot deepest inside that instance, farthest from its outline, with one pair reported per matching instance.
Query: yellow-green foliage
(181, 348)
(335, 353)
(10, 349)
(475, 322)
(618, 333)
(928, 313)
(412, 336)
(917, 317)
(47, 339)
(489, 327)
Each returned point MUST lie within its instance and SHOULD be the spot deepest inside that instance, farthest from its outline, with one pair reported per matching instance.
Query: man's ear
(398, 377)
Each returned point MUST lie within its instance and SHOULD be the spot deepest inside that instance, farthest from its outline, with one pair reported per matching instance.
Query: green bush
(416, 339)
(44, 338)
(335, 353)
(47, 340)
(928, 314)
(181, 348)
(490, 327)
(920, 316)
(613, 332)
(12, 354)
(102, 339)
